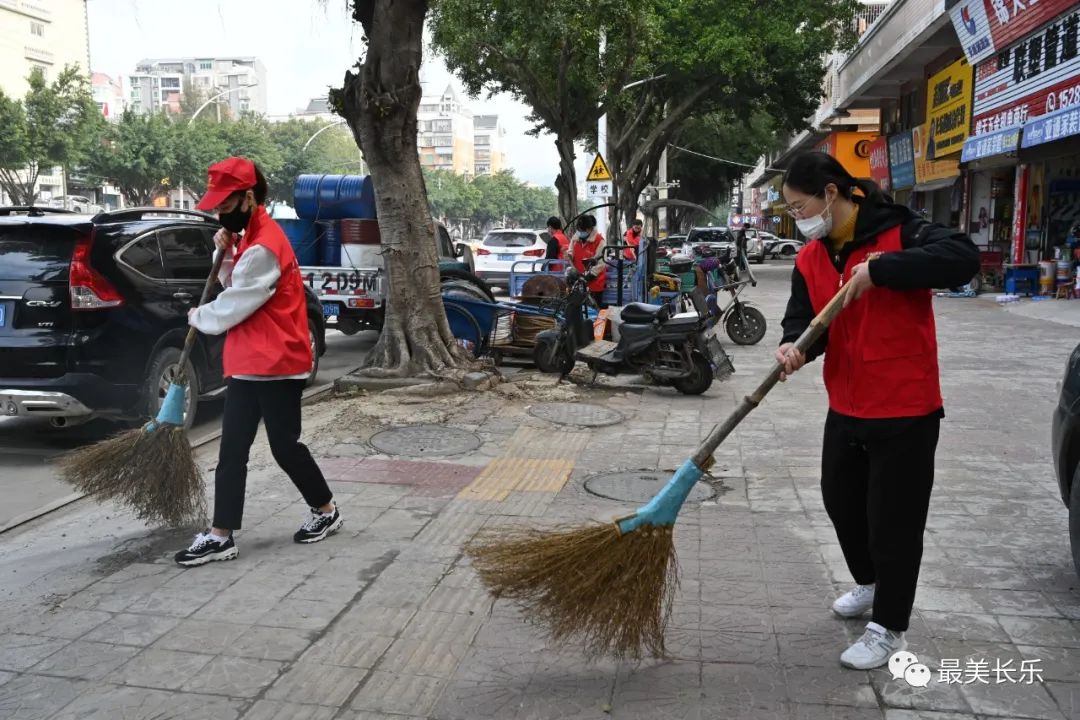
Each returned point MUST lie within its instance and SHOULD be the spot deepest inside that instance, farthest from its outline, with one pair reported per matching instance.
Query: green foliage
(333, 152)
(56, 124)
(488, 199)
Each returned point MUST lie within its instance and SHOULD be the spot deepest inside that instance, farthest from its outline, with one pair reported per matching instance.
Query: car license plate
(331, 310)
(3, 314)
(336, 283)
(506, 258)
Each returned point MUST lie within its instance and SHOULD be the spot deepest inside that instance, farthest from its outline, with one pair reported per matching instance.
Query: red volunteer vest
(582, 252)
(881, 360)
(274, 339)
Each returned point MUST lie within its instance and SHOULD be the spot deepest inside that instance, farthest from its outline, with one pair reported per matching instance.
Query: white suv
(500, 249)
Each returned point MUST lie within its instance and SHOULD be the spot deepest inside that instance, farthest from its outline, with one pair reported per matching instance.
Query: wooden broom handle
(192, 333)
(703, 457)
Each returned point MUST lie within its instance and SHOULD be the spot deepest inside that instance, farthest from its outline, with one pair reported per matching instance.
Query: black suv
(93, 312)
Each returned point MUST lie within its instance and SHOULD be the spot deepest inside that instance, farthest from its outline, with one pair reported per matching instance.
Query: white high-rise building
(445, 137)
(46, 34)
(158, 84)
(489, 144)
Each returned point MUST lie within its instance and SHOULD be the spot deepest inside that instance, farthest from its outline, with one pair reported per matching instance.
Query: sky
(306, 46)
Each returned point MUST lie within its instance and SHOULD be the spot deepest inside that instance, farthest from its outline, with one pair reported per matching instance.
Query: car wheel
(787, 251)
(313, 343)
(1074, 520)
(164, 369)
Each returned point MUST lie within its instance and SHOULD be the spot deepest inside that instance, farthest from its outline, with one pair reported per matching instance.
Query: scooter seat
(642, 314)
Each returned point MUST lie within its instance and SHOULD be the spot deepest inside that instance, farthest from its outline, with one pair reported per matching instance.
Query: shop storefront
(937, 194)
(1023, 159)
(777, 221)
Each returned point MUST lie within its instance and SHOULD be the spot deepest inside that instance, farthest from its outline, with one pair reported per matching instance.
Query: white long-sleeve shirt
(248, 284)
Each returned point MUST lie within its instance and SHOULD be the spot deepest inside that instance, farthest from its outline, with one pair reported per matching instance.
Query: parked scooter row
(667, 348)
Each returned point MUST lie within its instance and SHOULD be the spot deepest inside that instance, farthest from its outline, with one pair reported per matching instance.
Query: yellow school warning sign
(599, 171)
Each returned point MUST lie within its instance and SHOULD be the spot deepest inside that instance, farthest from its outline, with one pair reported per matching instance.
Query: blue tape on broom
(664, 508)
(172, 409)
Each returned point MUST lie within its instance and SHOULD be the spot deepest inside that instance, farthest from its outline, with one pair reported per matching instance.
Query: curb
(196, 443)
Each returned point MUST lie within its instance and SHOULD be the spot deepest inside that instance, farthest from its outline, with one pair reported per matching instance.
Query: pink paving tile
(427, 478)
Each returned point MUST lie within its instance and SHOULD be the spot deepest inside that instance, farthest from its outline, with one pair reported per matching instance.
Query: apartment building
(489, 144)
(46, 34)
(446, 134)
(158, 84)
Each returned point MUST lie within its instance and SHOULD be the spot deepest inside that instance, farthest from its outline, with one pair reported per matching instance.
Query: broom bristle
(612, 591)
(152, 471)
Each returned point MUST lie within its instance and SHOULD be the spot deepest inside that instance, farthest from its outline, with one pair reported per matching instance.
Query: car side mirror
(459, 250)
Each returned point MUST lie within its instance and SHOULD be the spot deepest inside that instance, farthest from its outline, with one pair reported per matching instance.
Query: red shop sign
(1038, 74)
(985, 27)
(879, 163)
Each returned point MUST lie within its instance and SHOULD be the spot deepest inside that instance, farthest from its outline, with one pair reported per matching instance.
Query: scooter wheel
(551, 358)
(699, 380)
(746, 328)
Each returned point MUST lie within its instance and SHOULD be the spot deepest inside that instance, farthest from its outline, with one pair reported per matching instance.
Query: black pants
(277, 404)
(876, 479)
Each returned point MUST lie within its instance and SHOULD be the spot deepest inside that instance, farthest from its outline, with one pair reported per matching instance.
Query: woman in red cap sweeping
(267, 359)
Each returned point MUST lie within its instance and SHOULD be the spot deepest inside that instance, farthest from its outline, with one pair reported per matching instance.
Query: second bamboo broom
(611, 585)
(152, 468)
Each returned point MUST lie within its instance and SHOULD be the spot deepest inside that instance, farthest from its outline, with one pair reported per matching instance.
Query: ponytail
(811, 172)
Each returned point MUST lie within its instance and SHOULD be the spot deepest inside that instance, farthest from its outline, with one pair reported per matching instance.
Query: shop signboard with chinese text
(852, 149)
(1054, 126)
(948, 109)
(926, 169)
(1036, 75)
(879, 163)
(985, 27)
(990, 144)
(901, 160)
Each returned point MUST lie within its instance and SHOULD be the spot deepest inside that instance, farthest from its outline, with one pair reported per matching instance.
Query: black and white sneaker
(319, 526)
(206, 548)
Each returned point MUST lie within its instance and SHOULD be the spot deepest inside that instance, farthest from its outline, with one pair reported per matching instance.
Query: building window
(206, 65)
(483, 139)
(37, 28)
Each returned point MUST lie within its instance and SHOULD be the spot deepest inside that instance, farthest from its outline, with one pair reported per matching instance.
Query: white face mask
(817, 226)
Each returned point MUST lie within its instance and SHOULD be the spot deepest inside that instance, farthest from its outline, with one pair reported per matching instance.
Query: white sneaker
(854, 602)
(873, 649)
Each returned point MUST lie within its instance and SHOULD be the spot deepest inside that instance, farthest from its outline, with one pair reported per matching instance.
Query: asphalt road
(28, 446)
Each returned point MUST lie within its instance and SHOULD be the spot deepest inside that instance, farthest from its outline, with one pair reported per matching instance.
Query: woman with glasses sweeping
(881, 374)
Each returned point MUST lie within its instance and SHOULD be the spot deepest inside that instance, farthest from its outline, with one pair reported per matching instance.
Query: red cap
(226, 177)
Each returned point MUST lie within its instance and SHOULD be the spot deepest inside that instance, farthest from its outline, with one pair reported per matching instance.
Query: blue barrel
(330, 255)
(334, 197)
(304, 236)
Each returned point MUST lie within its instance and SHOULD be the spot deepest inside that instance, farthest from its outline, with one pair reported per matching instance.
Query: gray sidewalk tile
(85, 660)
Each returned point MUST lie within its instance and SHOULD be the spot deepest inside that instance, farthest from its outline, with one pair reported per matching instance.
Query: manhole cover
(576, 414)
(639, 487)
(425, 441)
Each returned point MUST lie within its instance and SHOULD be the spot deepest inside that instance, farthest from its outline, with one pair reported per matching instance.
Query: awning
(1052, 126)
(933, 185)
(990, 144)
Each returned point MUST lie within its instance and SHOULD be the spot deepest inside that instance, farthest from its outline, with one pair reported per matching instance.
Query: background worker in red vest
(267, 359)
(587, 243)
(633, 238)
(557, 244)
(881, 374)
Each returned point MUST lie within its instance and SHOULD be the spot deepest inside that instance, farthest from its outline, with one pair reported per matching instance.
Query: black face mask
(236, 220)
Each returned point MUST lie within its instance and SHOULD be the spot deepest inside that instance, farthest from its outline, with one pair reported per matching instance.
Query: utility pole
(601, 148)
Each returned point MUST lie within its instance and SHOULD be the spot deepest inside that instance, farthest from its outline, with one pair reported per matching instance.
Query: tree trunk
(19, 185)
(379, 101)
(566, 182)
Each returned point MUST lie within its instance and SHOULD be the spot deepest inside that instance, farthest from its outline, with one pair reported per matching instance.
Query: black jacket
(934, 256)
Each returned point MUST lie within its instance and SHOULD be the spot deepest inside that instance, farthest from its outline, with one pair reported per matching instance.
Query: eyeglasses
(797, 210)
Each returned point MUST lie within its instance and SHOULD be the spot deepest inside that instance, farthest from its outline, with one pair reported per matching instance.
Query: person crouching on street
(881, 375)
(267, 360)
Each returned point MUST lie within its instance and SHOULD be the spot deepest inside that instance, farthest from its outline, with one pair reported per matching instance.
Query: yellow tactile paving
(507, 474)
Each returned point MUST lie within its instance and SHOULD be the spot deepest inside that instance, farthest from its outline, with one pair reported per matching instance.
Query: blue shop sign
(1052, 126)
(990, 144)
(902, 160)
